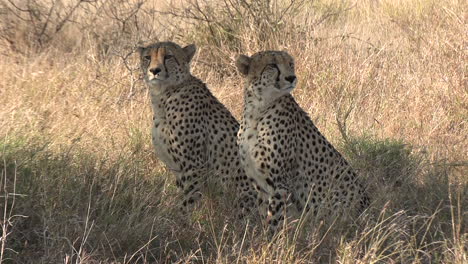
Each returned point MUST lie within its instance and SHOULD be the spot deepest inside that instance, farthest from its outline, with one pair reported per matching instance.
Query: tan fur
(289, 160)
(193, 133)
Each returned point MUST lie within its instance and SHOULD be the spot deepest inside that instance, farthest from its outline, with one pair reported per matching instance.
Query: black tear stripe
(165, 67)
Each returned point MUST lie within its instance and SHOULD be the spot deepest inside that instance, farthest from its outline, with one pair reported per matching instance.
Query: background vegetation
(384, 80)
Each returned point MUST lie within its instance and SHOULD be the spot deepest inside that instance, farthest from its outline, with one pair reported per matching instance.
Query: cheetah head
(269, 74)
(166, 63)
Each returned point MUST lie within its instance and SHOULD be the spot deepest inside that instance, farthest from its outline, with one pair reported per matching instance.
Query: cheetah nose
(290, 78)
(155, 70)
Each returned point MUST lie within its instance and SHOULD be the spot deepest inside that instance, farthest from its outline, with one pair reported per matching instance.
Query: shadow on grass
(79, 206)
(74, 206)
(428, 194)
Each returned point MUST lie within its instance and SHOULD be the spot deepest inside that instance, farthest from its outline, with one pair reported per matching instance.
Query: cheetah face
(165, 63)
(270, 74)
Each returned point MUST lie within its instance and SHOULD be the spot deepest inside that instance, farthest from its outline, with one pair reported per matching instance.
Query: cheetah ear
(243, 64)
(190, 51)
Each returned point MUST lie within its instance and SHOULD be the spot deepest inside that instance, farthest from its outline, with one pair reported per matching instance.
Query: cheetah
(282, 150)
(193, 134)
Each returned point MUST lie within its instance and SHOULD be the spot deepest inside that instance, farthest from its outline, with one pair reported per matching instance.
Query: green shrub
(390, 160)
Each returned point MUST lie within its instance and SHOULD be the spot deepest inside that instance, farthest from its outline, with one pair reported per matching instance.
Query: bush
(390, 160)
(226, 23)
(34, 26)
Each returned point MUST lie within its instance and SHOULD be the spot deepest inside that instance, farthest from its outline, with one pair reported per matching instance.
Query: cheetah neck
(158, 100)
(160, 95)
(255, 107)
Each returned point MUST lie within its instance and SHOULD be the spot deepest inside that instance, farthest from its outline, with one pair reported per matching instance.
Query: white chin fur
(286, 88)
(155, 80)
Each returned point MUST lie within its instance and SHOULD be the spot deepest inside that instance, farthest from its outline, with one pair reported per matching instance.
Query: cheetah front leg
(247, 195)
(262, 205)
(277, 203)
(190, 183)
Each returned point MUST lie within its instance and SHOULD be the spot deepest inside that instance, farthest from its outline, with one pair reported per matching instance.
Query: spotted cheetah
(192, 132)
(282, 150)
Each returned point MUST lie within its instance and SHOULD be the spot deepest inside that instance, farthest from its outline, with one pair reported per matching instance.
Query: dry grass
(80, 183)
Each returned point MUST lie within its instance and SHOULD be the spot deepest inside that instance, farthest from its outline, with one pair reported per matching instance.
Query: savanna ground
(385, 81)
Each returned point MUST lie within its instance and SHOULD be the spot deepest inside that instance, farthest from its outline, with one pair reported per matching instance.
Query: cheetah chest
(160, 138)
(248, 144)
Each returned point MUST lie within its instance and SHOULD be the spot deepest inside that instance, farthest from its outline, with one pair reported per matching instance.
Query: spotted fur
(192, 132)
(282, 150)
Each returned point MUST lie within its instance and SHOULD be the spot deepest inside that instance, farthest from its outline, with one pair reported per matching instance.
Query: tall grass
(384, 80)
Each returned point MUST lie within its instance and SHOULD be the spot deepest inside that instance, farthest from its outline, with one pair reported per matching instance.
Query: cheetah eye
(147, 57)
(168, 57)
(291, 64)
